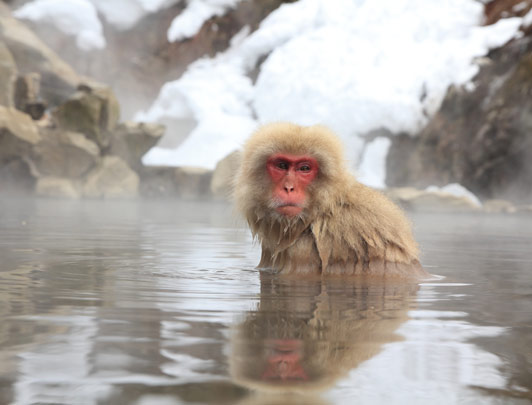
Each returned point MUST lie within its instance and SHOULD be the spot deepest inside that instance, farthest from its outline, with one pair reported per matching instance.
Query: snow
(352, 65)
(372, 168)
(80, 17)
(216, 94)
(189, 22)
(72, 17)
(366, 64)
(456, 190)
(519, 7)
(124, 14)
(153, 6)
(527, 19)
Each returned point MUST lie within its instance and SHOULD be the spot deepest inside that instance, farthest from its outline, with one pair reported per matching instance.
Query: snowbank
(372, 167)
(217, 94)
(352, 65)
(72, 17)
(527, 19)
(80, 17)
(123, 14)
(189, 22)
(456, 190)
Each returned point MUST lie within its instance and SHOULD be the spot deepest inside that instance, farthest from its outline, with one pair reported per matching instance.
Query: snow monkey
(310, 214)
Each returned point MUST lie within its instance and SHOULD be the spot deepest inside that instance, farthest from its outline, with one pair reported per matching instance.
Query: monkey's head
(287, 169)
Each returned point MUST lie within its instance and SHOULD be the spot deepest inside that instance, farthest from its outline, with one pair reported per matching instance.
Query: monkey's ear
(323, 241)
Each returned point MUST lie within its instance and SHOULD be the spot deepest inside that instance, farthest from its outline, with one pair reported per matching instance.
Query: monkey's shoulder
(367, 209)
(366, 224)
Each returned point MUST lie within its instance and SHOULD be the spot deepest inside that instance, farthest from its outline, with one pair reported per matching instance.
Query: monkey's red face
(290, 174)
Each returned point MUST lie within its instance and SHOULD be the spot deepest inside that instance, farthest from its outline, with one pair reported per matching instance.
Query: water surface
(159, 303)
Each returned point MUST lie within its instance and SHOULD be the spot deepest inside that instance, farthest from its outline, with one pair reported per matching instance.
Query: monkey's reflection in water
(307, 334)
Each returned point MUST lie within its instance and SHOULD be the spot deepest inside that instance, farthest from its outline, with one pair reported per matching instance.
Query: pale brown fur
(345, 227)
(340, 324)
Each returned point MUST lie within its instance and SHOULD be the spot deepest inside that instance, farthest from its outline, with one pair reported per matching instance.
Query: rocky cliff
(60, 129)
(60, 133)
(481, 137)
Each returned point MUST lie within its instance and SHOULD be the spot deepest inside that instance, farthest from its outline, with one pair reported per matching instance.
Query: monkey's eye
(304, 168)
(282, 165)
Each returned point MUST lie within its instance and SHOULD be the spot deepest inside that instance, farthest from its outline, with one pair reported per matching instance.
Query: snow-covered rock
(124, 14)
(189, 22)
(456, 190)
(78, 18)
(352, 65)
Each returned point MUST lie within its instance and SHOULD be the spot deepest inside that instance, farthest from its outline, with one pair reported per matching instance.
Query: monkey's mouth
(289, 209)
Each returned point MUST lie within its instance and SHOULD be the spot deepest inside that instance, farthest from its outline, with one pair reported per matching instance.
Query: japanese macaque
(310, 214)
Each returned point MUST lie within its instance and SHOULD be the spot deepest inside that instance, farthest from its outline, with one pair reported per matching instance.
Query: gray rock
(189, 183)
(430, 201)
(131, 140)
(224, 175)
(93, 111)
(27, 95)
(110, 114)
(112, 178)
(57, 188)
(8, 74)
(499, 206)
(193, 182)
(59, 80)
(4, 9)
(64, 154)
(526, 208)
(158, 181)
(18, 134)
(16, 178)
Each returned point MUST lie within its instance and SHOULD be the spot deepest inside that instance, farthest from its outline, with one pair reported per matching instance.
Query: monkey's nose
(288, 188)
